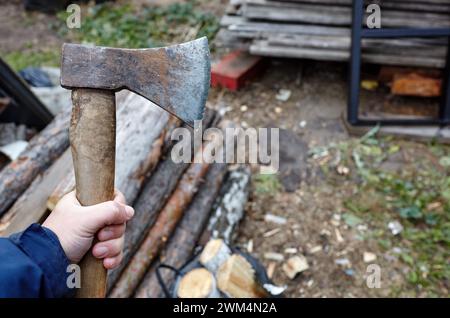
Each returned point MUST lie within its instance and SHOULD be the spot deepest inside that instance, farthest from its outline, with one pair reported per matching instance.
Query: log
(215, 253)
(163, 227)
(153, 195)
(138, 148)
(182, 243)
(229, 209)
(198, 283)
(32, 204)
(41, 152)
(236, 279)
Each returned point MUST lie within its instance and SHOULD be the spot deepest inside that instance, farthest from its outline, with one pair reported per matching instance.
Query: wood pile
(173, 201)
(320, 30)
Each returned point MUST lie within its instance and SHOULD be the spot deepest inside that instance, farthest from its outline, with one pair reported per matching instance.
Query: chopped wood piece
(295, 265)
(414, 84)
(215, 253)
(236, 278)
(198, 283)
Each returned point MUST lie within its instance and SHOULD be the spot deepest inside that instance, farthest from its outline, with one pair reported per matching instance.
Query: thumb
(106, 213)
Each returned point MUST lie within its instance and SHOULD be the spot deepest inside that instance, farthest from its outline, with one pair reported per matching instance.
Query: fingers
(108, 249)
(119, 197)
(112, 262)
(111, 232)
(108, 213)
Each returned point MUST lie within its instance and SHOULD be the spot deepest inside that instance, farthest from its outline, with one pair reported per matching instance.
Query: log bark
(182, 243)
(229, 208)
(153, 195)
(32, 204)
(40, 153)
(163, 227)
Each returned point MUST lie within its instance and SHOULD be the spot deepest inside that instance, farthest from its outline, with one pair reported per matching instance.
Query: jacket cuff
(43, 247)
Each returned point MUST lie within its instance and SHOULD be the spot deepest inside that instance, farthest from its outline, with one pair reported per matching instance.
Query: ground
(337, 192)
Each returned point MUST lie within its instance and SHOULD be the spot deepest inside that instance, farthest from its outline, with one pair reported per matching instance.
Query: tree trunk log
(32, 204)
(40, 153)
(182, 243)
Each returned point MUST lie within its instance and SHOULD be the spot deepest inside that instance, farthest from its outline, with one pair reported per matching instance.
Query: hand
(76, 227)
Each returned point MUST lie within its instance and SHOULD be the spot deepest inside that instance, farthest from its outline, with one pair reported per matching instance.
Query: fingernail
(129, 211)
(101, 250)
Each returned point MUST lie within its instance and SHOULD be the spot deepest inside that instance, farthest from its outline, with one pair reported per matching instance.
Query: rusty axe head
(175, 78)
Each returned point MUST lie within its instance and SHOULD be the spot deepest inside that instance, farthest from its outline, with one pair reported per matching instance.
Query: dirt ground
(311, 200)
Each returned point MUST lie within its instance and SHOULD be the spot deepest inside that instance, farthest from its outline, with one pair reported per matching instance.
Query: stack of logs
(320, 30)
(173, 201)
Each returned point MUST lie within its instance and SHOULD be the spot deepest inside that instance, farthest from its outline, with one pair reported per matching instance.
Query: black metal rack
(358, 33)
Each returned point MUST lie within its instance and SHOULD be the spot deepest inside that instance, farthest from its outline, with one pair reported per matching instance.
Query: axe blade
(176, 78)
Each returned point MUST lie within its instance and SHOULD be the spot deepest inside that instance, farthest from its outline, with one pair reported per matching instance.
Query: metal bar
(393, 33)
(355, 62)
(445, 101)
(399, 122)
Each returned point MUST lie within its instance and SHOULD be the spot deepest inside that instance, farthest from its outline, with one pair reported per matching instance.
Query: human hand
(76, 226)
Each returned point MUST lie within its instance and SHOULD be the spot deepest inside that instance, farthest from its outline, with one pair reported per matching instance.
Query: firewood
(414, 84)
(154, 194)
(229, 209)
(236, 278)
(215, 253)
(32, 204)
(198, 283)
(181, 244)
(41, 152)
(163, 227)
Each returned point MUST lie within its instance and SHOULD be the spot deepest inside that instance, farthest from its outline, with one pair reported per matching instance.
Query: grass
(266, 184)
(114, 25)
(21, 59)
(417, 195)
(122, 26)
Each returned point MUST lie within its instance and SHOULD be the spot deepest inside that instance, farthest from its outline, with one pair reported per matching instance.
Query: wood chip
(274, 256)
(271, 232)
(295, 265)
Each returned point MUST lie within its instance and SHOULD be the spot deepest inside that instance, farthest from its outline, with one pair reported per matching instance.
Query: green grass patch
(21, 59)
(123, 26)
(266, 184)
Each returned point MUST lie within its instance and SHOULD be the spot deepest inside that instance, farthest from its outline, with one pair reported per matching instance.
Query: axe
(176, 78)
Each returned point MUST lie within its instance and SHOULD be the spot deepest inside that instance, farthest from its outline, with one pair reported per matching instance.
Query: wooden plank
(263, 48)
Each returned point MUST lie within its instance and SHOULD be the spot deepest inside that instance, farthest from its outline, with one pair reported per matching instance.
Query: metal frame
(358, 33)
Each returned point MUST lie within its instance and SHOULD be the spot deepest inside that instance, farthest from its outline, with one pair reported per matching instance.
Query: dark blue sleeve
(33, 264)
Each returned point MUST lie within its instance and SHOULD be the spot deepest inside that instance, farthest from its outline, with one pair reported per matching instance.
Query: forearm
(33, 264)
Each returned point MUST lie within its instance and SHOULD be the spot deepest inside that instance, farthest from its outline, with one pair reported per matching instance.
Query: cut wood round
(198, 283)
(215, 253)
(236, 278)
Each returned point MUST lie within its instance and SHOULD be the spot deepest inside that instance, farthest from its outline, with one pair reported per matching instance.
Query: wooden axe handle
(93, 143)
